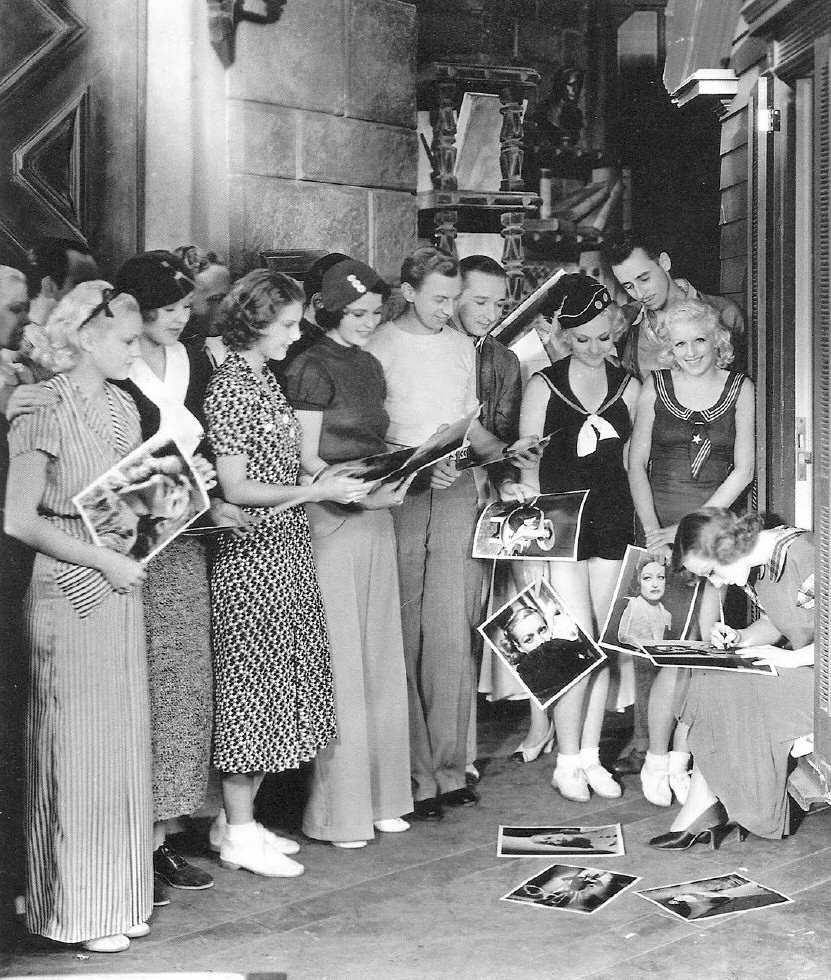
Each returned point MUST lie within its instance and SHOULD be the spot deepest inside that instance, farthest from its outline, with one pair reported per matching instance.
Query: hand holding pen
(724, 637)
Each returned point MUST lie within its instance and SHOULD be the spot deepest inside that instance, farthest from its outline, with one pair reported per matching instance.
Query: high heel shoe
(710, 826)
(522, 754)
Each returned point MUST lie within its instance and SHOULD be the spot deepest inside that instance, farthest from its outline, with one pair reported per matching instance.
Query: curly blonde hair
(8, 273)
(561, 338)
(55, 345)
(696, 313)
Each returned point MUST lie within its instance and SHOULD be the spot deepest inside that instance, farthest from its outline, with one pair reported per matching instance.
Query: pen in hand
(724, 637)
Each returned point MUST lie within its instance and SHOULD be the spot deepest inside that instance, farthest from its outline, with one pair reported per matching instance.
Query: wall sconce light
(223, 17)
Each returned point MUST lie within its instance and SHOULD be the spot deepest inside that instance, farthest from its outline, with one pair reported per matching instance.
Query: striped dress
(88, 806)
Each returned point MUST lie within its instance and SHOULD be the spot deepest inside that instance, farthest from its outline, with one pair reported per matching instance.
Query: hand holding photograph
(395, 466)
(540, 642)
(538, 841)
(546, 527)
(571, 889)
(709, 898)
(142, 503)
(650, 604)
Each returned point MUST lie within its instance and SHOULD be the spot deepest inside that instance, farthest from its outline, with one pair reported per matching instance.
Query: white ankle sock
(679, 761)
(656, 762)
(239, 831)
(589, 757)
(569, 761)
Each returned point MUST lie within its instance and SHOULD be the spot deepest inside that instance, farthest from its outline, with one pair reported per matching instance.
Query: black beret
(348, 281)
(579, 299)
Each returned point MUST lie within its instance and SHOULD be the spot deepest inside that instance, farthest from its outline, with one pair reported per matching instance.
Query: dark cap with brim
(347, 282)
(155, 279)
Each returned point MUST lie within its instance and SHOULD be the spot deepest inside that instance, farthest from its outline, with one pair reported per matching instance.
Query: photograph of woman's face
(653, 582)
(528, 632)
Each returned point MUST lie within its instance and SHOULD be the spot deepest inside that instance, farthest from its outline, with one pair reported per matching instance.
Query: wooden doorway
(71, 125)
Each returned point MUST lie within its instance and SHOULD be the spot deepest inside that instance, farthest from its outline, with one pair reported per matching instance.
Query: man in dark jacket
(498, 381)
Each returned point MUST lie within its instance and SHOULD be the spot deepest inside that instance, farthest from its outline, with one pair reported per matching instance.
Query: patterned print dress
(274, 699)
(88, 804)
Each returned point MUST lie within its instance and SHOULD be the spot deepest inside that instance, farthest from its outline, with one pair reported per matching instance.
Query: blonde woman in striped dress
(88, 806)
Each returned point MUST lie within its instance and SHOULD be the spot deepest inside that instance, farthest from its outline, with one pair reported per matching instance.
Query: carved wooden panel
(51, 164)
(49, 24)
(71, 125)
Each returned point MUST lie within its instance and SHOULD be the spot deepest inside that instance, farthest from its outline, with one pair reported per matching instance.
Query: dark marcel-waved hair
(424, 262)
(617, 248)
(254, 302)
(481, 263)
(635, 580)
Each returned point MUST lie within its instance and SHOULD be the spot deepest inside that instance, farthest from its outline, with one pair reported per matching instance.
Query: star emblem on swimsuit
(696, 439)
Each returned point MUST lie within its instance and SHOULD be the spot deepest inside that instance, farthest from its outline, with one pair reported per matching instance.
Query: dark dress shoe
(175, 870)
(427, 809)
(628, 764)
(459, 797)
(161, 896)
(710, 827)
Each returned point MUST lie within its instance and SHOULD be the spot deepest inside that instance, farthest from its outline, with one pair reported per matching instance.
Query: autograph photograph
(709, 898)
(545, 527)
(571, 889)
(394, 467)
(605, 841)
(540, 642)
(142, 503)
(650, 603)
(704, 656)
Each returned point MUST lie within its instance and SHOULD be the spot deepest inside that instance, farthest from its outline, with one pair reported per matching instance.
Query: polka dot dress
(274, 700)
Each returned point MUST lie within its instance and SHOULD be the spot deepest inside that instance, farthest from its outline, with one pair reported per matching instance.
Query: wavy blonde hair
(8, 273)
(561, 338)
(695, 312)
(55, 345)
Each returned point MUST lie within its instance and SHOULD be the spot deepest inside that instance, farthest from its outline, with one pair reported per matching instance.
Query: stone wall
(322, 146)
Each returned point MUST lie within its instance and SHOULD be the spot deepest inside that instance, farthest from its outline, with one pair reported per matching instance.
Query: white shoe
(107, 944)
(394, 825)
(349, 844)
(571, 783)
(655, 781)
(285, 845)
(137, 931)
(602, 782)
(253, 854)
(527, 753)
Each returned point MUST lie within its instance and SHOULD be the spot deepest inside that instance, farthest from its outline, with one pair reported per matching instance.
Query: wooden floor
(426, 904)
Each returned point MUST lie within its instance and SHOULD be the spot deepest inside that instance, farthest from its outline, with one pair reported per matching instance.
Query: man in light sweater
(430, 370)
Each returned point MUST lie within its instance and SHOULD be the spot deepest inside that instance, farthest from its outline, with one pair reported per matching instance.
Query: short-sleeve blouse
(347, 385)
(80, 442)
(246, 418)
(784, 588)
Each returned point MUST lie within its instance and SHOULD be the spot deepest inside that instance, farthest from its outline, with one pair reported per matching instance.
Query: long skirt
(178, 621)
(88, 805)
(742, 728)
(364, 774)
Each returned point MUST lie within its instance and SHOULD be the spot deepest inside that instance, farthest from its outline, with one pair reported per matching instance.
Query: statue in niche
(558, 127)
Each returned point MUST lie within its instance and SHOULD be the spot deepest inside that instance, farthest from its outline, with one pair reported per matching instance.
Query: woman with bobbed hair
(88, 789)
(361, 780)
(693, 445)
(274, 701)
(742, 726)
(587, 404)
(168, 383)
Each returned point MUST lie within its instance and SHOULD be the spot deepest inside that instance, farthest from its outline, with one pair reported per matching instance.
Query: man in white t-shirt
(430, 370)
